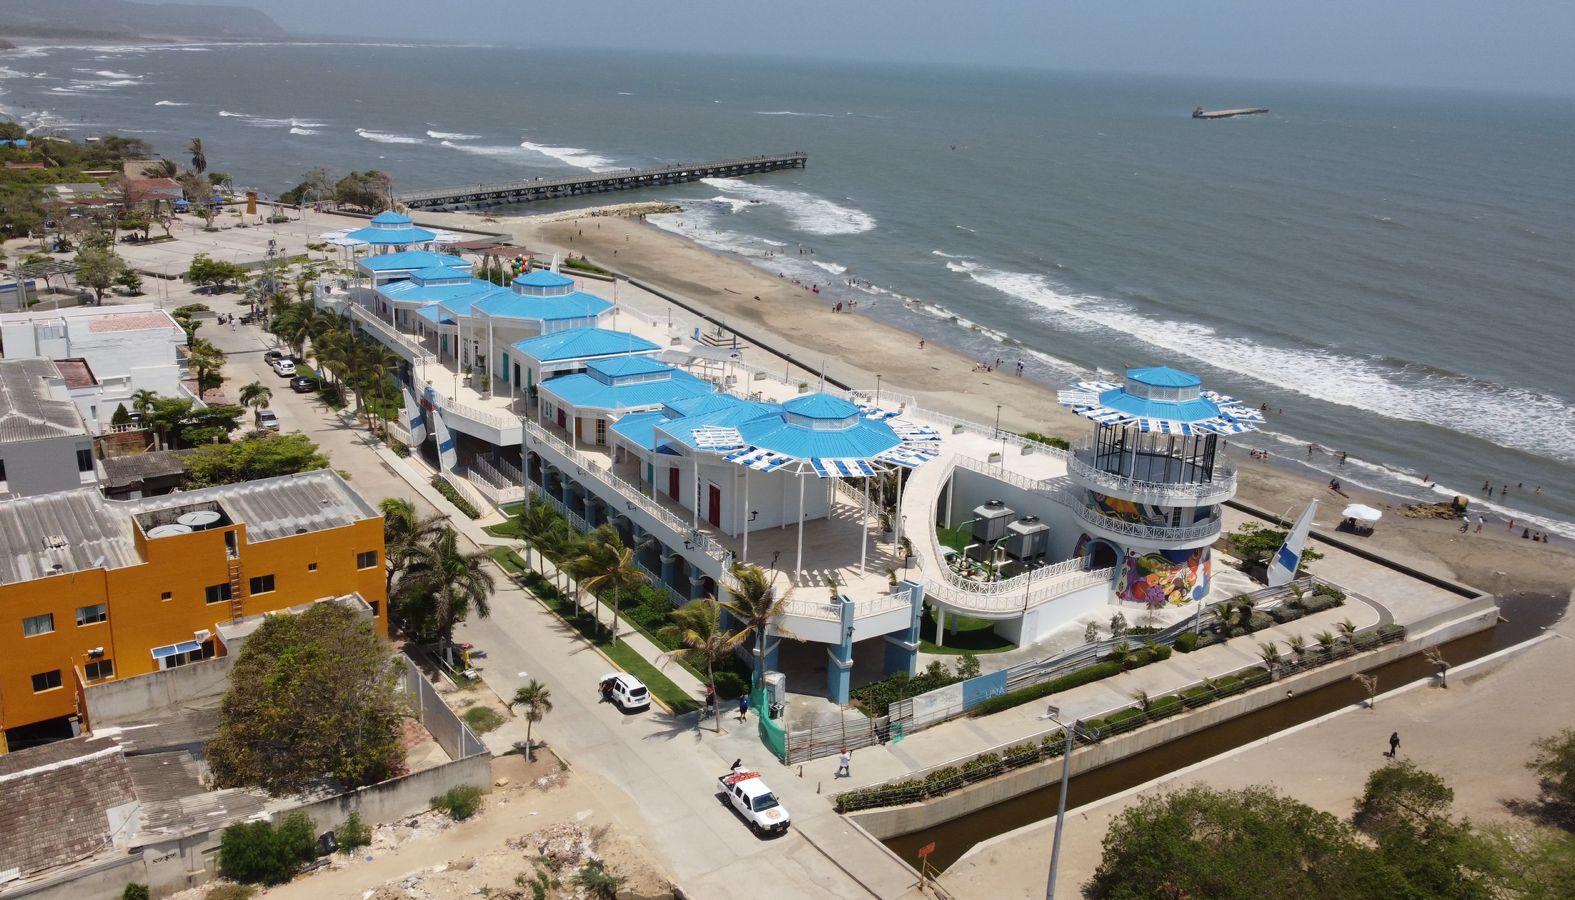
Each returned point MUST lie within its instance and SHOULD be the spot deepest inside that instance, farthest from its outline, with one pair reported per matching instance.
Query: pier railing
(601, 180)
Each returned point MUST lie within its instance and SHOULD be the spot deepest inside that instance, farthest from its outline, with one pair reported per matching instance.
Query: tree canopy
(367, 191)
(251, 458)
(311, 696)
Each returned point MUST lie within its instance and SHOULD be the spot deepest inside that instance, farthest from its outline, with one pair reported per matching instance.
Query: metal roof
(29, 411)
(381, 235)
(390, 218)
(639, 429)
(80, 530)
(544, 278)
(586, 391)
(582, 343)
(625, 366)
(411, 260)
(1164, 376)
(576, 305)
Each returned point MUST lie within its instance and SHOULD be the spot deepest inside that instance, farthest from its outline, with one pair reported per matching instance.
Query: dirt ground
(538, 818)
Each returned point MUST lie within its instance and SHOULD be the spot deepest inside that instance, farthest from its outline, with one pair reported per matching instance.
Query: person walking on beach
(844, 765)
(1480, 522)
(921, 347)
(1394, 744)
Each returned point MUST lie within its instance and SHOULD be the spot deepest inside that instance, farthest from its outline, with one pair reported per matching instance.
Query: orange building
(94, 589)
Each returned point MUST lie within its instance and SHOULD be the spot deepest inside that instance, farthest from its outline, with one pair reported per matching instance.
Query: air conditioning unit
(200, 636)
(96, 652)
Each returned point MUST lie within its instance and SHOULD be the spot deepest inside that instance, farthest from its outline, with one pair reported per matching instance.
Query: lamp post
(1066, 775)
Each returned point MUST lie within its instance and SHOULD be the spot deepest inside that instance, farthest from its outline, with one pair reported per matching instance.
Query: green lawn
(955, 538)
(963, 635)
(509, 529)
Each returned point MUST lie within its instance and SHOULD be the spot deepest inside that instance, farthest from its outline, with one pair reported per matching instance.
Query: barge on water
(1201, 113)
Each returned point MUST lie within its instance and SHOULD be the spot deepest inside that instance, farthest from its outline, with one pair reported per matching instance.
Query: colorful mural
(1128, 511)
(1164, 577)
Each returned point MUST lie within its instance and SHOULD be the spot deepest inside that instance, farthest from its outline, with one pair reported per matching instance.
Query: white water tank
(1027, 538)
(990, 520)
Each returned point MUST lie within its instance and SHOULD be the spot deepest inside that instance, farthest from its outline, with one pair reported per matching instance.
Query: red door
(672, 483)
(714, 509)
(563, 420)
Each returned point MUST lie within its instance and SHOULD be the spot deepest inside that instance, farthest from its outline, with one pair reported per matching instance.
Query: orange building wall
(139, 620)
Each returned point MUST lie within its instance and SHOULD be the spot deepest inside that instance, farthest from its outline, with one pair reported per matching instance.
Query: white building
(44, 445)
(105, 353)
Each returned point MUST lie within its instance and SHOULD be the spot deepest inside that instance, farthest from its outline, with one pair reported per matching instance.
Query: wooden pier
(511, 192)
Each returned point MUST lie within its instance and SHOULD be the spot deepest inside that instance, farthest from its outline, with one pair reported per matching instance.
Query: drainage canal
(1524, 617)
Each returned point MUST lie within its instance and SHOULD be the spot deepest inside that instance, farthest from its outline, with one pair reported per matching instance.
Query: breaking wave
(808, 213)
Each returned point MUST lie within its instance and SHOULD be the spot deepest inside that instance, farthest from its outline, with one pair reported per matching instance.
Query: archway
(1103, 555)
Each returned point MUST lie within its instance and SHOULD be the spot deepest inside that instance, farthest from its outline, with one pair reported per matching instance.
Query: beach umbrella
(1362, 513)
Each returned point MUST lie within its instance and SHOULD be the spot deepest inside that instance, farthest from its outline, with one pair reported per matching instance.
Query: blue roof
(405, 291)
(717, 411)
(1164, 376)
(390, 218)
(639, 428)
(544, 278)
(622, 366)
(863, 439)
(435, 314)
(1195, 410)
(394, 236)
(821, 406)
(699, 406)
(588, 392)
(461, 304)
(438, 273)
(577, 305)
(410, 260)
(582, 343)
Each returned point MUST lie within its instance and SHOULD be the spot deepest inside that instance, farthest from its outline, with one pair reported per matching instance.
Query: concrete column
(773, 653)
(839, 665)
(940, 627)
(669, 568)
(696, 589)
(902, 648)
(593, 511)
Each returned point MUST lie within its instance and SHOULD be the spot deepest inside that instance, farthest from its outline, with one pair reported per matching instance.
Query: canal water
(1524, 616)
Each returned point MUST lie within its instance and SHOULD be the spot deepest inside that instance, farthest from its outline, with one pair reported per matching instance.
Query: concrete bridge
(511, 192)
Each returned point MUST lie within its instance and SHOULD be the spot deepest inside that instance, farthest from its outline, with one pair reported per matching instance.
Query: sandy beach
(854, 348)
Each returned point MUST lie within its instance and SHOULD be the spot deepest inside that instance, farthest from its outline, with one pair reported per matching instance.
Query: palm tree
(164, 168)
(1124, 654)
(754, 606)
(537, 520)
(199, 158)
(441, 586)
(405, 536)
(1298, 645)
(205, 361)
(1325, 640)
(1270, 652)
(142, 404)
(699, 625)
(537, 701)
(1347, 630)
(605, 564)
(256, 395)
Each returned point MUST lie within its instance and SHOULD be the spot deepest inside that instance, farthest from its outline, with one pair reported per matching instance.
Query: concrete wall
(899, 820)
(397, 797)
(970, 489)
(45, 466)
(114, 702)
(98, 880)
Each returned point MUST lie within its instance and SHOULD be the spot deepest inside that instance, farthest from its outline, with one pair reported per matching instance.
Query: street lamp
(1066, 775)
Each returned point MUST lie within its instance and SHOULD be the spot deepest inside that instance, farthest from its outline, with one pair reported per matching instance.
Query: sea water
(1390, 271)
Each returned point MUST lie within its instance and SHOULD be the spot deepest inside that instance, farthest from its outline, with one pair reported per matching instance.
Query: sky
(1507, 45)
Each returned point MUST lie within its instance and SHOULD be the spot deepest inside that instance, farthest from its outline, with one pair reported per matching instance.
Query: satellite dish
(200, 518)
(169, 530)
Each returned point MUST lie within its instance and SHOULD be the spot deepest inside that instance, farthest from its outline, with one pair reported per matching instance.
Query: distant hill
(123, 18)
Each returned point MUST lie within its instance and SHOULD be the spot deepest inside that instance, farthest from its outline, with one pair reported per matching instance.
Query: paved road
(666, 765)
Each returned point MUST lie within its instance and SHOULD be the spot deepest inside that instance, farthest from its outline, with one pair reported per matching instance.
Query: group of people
(987, 366)
(1503, 492)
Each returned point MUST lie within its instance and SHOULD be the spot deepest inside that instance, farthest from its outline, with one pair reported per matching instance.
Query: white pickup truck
(754, 801)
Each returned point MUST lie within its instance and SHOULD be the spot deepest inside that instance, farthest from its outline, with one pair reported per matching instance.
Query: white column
(798, 564)
(492, 376)
(745, 556)
(896, 524)
(694, 491)
(864, 527)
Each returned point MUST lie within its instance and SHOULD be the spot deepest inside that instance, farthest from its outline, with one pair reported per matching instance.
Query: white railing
(396, 339)
(1220, 487)
(1055, 487)
(1208, 528)
(496, 420)
(832, 611)
(125, 427)
(493, 482)
(632, 494)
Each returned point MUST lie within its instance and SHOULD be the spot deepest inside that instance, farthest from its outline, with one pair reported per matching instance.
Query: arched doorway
(1103, 555)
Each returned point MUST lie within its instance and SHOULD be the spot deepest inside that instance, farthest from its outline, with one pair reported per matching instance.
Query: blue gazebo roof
(393, 235)
(582, 343)
(627, 366)
(862, 439)
(1160, 399)
(577, 305)
(390, 218)
(410, 260)
(544, 278)
(821, 406)
(586, 391)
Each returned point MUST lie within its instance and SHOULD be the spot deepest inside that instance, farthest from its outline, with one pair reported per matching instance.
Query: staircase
(237, 592)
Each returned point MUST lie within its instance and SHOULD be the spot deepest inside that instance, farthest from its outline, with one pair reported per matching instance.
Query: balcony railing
(824, 609)
(1213, 490)
(398, 341)
(1207, 529)
(491, 418)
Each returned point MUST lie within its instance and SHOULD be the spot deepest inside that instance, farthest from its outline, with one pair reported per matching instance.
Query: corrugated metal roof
(621, 366)
(576, 305)
(582, 343)
(411, 260)
(586, 391)
(544, 278)
(28, 409)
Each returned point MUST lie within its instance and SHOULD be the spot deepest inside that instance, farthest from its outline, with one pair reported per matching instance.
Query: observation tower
(1150, 480)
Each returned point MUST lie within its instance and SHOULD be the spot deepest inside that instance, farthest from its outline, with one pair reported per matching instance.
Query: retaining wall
(130, 699)
(891, 822)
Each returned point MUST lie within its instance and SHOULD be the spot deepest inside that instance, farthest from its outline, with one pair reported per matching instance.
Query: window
(262, 584)
(92, 615)
(366, 559)
(46, 681)
(175, 655)
(217, 593)
(311, 567)
(98, 670)
(376, 608)
(601, 431)
(166, 595)
(2, 470)
(32, 626)
(85, 459)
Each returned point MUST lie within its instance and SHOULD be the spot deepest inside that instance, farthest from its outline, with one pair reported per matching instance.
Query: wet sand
(855, 349)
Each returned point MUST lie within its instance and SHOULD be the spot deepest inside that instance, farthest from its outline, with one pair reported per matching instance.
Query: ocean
(1391, 271)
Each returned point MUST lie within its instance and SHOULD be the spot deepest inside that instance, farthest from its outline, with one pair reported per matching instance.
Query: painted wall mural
(1164, 577)
(1128, 511)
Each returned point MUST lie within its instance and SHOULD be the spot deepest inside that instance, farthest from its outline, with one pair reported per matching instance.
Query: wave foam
(578, 157)
(451, 135)
(299, 130)
(807, 212)
(831, 267)
(1542, 424)
(382, 137)
(170, 103)
(790, 112)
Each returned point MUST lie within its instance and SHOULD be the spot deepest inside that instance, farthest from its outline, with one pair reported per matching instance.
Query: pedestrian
(1480, 522)
(743, 707)
(737, 764)
(844, 762)
(1394, 744)
(710, 696)
(921, 347)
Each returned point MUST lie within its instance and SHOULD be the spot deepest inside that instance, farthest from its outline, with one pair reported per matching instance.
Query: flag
(415, 419)
(447, 458)
(1282, 568)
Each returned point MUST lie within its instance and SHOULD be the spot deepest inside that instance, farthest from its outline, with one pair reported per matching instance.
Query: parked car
(625, 690)
(303, 384)
(272, 355)
(747, 793)
(266, 419)
(285, 368)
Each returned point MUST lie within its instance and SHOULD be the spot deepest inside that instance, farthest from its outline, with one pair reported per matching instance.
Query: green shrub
(230, 892)
(1121, 720)
(459, 802)
(482, 719)
(134, 892)
(353, 834)
(877, 697)
(1168, 705)
(1186, 642)
(1019, 755)
(1056, 442)
(452, 495)
(1159, 653)
(1068, 681)
(259, 853)
(730, 685)
(983, 766)
(941, 780)
(1330, 591)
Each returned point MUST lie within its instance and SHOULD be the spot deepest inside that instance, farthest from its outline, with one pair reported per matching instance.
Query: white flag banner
(1282, 568)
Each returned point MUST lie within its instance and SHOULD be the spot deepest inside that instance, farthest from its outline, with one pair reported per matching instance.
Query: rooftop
(583, 343)
(410, 260)
(576, 305)
(544, 278)
(587, 391)
(76, 372)
(29, 411)
(627, 366)
(58, 798)
(74, 531)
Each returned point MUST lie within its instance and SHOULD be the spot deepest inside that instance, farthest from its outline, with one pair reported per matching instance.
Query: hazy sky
(1504, 45)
